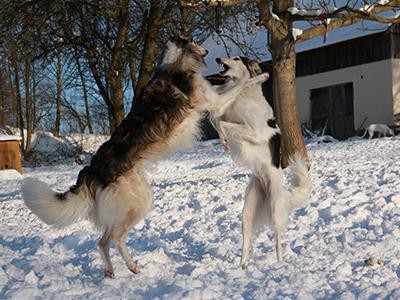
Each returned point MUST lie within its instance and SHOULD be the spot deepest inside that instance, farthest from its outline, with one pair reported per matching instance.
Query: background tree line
(78, 65)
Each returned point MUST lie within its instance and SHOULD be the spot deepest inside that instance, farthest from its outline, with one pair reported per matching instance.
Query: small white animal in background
(248, 129)
(381, 129)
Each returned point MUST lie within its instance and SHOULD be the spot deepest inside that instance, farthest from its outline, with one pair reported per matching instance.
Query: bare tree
(278, 18)
(59, 94)
(115, 45)
(85, 94)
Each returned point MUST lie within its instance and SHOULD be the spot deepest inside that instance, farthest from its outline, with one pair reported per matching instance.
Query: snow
(271, 12)
(370, 6)
(296, 32)
(49, 149)
(9, 174)
(188, 246)
(7, 137)
(311, 12)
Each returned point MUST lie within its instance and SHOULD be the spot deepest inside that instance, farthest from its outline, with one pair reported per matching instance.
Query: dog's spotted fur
(249, 130)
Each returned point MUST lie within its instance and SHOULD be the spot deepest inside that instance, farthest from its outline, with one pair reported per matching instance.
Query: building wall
(373, 91)
(396, 91)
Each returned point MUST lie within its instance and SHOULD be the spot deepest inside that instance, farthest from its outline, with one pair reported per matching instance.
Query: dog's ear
(254, 68)
(182, 40)
(185, 38)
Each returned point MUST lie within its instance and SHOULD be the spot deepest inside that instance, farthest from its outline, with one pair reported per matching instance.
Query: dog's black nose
(218, 60)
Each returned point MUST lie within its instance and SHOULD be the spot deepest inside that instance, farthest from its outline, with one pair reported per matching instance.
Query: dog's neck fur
(182, 80)
(181, 72)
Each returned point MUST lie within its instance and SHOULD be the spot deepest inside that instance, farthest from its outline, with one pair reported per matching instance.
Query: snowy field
(188, 246)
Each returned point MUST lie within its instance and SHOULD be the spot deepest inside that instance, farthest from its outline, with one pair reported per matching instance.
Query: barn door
(332, 106)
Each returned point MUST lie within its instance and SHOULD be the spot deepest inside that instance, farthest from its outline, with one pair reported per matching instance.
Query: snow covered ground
(188, 246)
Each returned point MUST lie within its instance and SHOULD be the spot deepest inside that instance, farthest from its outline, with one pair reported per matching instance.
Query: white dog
(381, 129)
(249, 130)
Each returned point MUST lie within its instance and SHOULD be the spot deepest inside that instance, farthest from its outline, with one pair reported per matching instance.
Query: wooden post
(10, 157)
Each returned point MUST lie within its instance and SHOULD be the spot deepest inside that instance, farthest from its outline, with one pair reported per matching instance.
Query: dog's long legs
(118, 236)
(253, 196)
(104, 249)
(222, 134)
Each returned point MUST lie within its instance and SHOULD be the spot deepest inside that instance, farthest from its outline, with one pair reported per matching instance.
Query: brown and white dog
(248, 128)
(113, 191)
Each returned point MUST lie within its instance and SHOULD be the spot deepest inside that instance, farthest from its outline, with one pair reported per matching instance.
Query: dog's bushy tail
(301, 182)
(57, 209)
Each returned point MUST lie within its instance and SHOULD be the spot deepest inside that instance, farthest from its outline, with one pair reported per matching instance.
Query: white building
(349, 85)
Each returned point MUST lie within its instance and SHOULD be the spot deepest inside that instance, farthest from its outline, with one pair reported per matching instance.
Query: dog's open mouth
(225, 68)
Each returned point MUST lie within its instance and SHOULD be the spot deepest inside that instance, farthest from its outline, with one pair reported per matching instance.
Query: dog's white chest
(185, 134)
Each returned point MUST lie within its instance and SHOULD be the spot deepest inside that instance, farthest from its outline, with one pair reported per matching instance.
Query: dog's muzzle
(223, 65)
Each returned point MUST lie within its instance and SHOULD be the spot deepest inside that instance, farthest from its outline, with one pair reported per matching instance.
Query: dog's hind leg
(253, 196)
(119, 234)
(104, 249)
(370, 134)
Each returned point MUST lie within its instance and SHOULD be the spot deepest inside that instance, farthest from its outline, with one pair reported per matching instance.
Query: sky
(260, 41)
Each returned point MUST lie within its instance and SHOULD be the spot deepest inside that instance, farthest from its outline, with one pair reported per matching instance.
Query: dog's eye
(236, 58)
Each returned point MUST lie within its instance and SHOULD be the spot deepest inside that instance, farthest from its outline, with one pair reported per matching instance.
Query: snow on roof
(6, 137)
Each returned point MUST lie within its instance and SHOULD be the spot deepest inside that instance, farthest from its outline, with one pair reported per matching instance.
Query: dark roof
(366, 49)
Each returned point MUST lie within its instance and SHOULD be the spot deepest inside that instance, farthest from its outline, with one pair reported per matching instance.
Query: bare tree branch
(353, 16)
(204, 3)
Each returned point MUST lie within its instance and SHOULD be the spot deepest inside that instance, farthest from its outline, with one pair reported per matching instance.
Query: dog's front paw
(265, 76)
(260, 78)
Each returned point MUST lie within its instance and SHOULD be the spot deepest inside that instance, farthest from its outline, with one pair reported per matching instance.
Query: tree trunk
(85, 95)
(13, 97)
(102, 89)
(132, 68)
(150, 47)
(2, 102)
(116, 70)
(76, 116)
(59, 94)
(19, 115)
(35, 121)
(284, 90)
(284, 77)
(28, 106)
